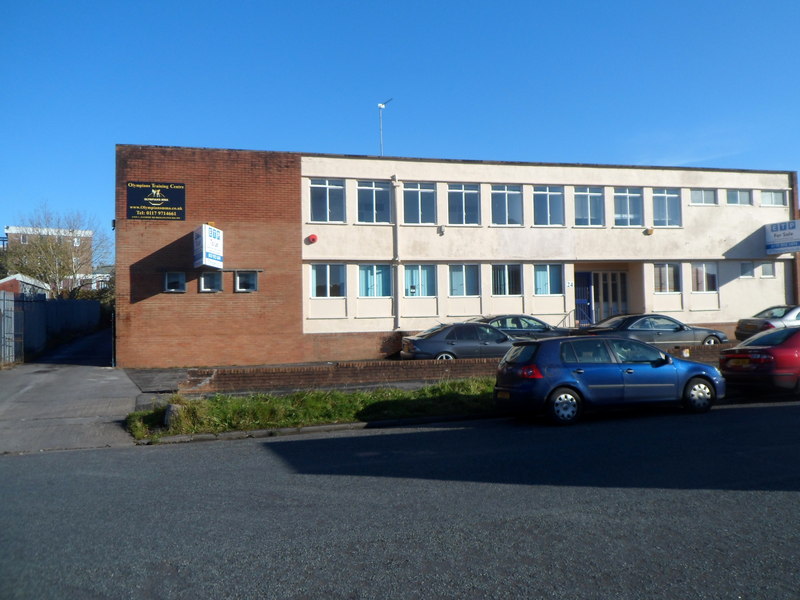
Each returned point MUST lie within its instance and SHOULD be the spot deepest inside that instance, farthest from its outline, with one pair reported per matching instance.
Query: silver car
(773, 317)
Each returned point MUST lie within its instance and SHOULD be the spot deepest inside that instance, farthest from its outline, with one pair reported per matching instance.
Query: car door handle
(578, 371)
(630, 371)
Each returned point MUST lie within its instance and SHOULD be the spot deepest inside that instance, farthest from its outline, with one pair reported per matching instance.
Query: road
(635, 505)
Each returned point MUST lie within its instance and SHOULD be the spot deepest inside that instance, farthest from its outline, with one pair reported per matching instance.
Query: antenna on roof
(381, 106)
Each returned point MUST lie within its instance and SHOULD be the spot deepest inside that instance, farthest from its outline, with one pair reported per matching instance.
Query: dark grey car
(774, 317)
(522, 326)
(656, 329)
(457, 340)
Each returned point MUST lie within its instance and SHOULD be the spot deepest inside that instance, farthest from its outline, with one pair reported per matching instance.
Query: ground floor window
(211, 281)
(667, 278)
(246, 281)
(465, 280)
(704, 277)
(506, 280)
(420, 280)
(327, 281)
(548, 280)
(374, 281)
(175, 281)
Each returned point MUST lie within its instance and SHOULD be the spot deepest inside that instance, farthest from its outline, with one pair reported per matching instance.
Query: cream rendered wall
(723, 234)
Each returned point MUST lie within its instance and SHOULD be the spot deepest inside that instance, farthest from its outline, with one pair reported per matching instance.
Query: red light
(766, 326)
(312, 239)
(531, 372)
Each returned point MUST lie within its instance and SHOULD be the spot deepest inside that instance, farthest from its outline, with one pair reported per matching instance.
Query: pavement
(72, 398)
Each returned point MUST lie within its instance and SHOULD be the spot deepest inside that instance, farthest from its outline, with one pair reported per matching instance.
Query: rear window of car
(522, 354)
(773, 338)
(774, 312)
(433, 330)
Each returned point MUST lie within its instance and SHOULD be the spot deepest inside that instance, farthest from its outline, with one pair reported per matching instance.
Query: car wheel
(711, 340)
(699, 395)
(445, 356)
(564, 406)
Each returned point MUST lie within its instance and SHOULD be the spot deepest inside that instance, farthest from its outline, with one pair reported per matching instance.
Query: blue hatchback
(564, 376)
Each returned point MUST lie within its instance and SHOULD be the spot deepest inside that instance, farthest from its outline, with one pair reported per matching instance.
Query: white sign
(783, 237)
(208, 247)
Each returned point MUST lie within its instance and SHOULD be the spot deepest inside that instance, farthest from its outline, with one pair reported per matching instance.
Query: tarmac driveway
(68, 399)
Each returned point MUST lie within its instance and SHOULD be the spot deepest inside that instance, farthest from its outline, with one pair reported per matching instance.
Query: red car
(769, 359)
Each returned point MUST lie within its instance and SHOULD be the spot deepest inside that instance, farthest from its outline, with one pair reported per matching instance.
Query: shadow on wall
(147, 274)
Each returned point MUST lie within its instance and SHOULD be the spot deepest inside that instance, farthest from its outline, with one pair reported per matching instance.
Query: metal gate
(7, 354)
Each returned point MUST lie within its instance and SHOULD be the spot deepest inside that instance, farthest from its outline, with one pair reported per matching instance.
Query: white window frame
(325, 268)
(706, 270)
(371, 201)
(703, 194)
(548, 197)
(240, 279)
(420, 273)
(734, 197)
(466, 270)
(670, 276)
(588, 195)
(459, 195)
(328, 185)
(772, 194)
(210, 281)
(747, 270)
(419, 195)
(506, 203)
(624, 199)
(550, 270)
(504, 287)
(669, 197)
(768, 270)
(371, 290)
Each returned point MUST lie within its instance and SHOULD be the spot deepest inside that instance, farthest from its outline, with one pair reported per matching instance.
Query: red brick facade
(255, 199)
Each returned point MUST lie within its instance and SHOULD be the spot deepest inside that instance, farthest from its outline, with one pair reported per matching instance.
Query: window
(246, 281)
(548, 205)
(506, 280)
(704, 197)
(667, 278)
(628, 206)
(23, 238)
(420, 280)
(174, 281)
(741, 197)
(419, 203)
(464, 280)
(704, 277)
(211, 281)
(374, 202)
(768, 270)
(746, 269)
(589, 207)
(666, 207)
(463, 204)
(374, 281)
(506, 205)
(327, 281)
(327, 200)
(76, 241)
(773, 198)
(548, 280)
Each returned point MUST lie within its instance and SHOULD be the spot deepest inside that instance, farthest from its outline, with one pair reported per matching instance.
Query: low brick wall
(345, 375)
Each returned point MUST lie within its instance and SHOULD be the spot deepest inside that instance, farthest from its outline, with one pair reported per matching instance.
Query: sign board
(208, 247)
(783, 237)
(149, 201)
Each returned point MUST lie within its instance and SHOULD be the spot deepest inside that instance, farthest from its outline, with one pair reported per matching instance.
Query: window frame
(463, 194)
(215, 278)
(419, 194)
(180, 277)
(594, 197)
(671, 199)
(669, 274)
(237, 281)
(737, 193)
(507, 284)
(328, 185)
(425, 275)
(703, 192)
(550, 269)
(466, 283)
(772, 268)
(701, 285)
(505, 200)
(545, 197)
(371, 203)
(744, 273)
(632, 197)
(771, 194)
(386, 280)
(328, 284)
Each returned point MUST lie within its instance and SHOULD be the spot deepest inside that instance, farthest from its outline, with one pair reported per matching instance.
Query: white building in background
(403, 244)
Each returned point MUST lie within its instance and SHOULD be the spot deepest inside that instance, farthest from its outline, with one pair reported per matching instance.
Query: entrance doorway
(599, 295)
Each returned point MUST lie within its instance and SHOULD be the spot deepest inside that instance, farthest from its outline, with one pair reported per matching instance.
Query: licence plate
(503, 395)
(738, 362)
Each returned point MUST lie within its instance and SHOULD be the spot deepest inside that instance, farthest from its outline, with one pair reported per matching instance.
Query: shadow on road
(732, 448)
(94, 350)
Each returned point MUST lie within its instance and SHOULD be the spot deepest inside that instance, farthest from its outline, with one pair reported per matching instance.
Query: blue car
(564, 376)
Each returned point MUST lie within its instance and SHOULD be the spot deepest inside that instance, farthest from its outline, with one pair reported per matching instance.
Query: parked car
(564, 376)
(773, 317)
(522, 326)
(769, 359)
(456, 340)
(656, 329)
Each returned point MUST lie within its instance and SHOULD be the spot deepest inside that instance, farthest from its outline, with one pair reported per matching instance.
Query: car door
(597, 375)
(647, 374)
(670, 331)
(493, 342)
(462, 340)
(642, 329)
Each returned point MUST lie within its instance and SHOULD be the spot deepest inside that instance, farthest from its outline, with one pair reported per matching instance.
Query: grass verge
(266, 411)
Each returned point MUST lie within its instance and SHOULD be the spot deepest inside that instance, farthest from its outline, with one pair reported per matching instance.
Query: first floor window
(704, 277)
(211, 281)
(374, 281)
(628, 207)
(464, 280)
(506, 205)
(548, 280)
(374, 202)
(747, 269)
(420, 280)
(327, 200)
(773, 198)
(419, 203)
(548, 205)
(666, 207)
(768, 270)
(327, 281)
(506, 280)
(741, 197)
(175, 281)
(667, 278)
(589, 207)
(704, 197)
(463, 204)
(246, 281)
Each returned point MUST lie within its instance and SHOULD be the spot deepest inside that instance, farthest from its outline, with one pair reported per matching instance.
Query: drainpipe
(396, 260)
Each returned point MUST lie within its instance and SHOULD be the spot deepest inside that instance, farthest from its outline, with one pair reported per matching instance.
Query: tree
(60, 250)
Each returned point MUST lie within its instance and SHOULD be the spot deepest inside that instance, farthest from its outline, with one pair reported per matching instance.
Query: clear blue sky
(696, 83)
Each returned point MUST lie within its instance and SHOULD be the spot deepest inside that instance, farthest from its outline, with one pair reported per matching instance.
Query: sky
(696, 83)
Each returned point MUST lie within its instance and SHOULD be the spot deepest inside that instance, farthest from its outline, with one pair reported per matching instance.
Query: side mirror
(666, 359)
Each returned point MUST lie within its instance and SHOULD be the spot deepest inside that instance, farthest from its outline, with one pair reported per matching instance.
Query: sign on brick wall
(156, 201)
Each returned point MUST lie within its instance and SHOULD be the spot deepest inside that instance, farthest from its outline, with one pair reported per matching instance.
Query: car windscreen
(774, 312)
(773, 338)
(522, 354)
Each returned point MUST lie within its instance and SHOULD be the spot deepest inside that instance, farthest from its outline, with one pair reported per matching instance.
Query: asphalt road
(634, 505)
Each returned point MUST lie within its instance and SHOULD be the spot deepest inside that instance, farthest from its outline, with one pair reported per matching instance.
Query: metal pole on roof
(381, 106)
